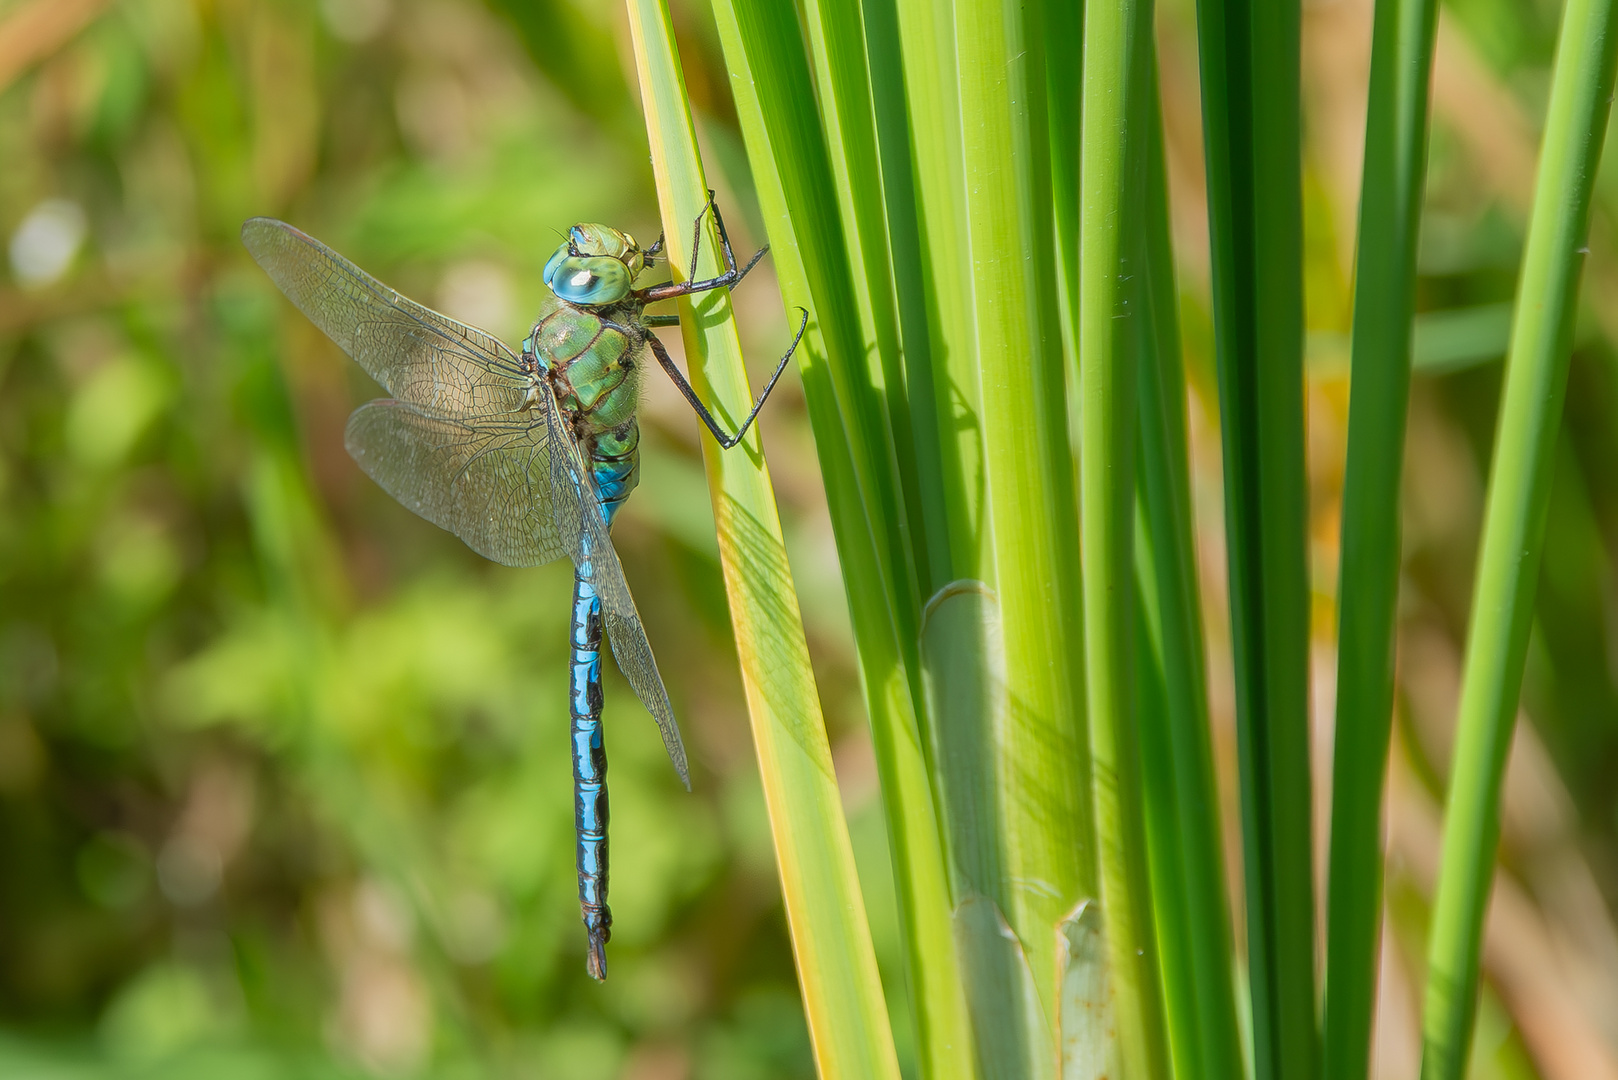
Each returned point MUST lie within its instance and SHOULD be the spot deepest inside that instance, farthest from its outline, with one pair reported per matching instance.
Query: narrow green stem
(1182, 798)
(1252, 127)
(929, 62)
(892, 117)
(1064, 81)
(1368, 590)
(1116, 111)
(1514, 523)
(848, 119)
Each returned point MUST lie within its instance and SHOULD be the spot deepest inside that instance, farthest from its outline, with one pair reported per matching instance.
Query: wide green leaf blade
(1043, 767)
(859, 463)
(842, 991)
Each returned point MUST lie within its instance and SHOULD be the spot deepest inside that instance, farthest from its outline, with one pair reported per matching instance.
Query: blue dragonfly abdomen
(590, 810)
(590, 359)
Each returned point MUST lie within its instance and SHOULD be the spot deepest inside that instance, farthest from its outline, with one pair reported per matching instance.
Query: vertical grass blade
(1514, 523)
(1368, 590)
(831, 940)
(849, 122)
(926, 33)
(1182, 799)
(790, 165)
(892, 118)
(1117, 73)
(1064, 83)
(962, 641)
(1029, 491)
(1252, 128)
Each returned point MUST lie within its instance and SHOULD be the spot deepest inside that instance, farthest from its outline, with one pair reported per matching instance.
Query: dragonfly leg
(653, 253)
(590, 812)
(684, 386)
(660, 320)
(696, 239)
(730, 277)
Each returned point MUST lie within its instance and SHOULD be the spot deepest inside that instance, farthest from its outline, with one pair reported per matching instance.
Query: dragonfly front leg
(729, 277)
(589, 767)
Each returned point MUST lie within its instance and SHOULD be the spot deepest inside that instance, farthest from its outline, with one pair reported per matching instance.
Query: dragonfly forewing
(426, 360)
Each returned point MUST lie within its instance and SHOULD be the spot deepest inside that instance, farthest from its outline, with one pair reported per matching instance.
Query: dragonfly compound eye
(590, 280)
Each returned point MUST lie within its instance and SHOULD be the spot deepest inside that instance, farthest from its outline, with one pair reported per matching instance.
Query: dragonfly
(526, 455)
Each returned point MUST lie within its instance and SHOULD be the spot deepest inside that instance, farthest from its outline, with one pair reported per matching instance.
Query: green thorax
(590, 357)
(587, 343)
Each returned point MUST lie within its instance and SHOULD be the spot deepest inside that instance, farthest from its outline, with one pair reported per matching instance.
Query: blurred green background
(284, 783)
(284, 788)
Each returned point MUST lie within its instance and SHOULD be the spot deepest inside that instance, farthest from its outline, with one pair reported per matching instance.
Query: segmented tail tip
(596, 962)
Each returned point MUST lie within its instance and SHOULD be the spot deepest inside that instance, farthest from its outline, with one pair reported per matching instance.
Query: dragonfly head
(595, 267)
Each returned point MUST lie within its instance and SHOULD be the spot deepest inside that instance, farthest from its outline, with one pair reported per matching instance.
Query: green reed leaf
(1384, 296)
(837, 970)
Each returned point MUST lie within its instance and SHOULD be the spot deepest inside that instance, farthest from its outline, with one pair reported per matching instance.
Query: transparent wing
(488, 483)
(436, 365)
(574, 494)
(634, 655)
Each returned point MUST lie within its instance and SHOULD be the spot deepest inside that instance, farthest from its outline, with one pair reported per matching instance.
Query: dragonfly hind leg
(684, 386)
